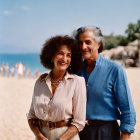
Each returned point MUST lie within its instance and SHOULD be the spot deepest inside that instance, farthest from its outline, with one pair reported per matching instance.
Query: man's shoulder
(110, 63)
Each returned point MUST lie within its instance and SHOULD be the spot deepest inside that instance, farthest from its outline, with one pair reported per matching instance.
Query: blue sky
(26, 24)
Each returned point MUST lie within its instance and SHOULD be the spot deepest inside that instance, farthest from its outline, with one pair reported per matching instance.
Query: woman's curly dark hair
(52, 45)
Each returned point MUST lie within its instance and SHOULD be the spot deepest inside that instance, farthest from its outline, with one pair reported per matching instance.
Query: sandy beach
(15, 100)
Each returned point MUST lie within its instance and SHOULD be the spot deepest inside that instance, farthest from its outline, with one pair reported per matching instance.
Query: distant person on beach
(7, 70)
(16, 69)
(12, 70)
(29, 73)
(37, 73)
(24, 71)
(20, 70)
(2, 70)
(108, 95)
(58, 106)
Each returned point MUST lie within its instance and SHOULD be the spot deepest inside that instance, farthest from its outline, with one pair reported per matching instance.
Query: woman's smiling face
(62, 58)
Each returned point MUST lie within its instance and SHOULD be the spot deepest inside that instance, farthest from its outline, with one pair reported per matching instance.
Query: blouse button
(87, 85)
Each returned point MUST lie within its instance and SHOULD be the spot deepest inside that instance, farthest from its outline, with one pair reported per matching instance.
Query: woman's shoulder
(41, 78)
(40, 81)
(77, 77)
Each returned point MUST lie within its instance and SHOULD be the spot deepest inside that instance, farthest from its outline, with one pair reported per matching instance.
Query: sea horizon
(30, 60)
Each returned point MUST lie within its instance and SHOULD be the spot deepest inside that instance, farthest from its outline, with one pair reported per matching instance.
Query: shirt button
(87, 85)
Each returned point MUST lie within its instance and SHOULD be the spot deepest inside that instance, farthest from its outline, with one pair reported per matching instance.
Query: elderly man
(108, 95)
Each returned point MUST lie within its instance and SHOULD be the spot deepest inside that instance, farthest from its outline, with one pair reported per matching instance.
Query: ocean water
(31, 61)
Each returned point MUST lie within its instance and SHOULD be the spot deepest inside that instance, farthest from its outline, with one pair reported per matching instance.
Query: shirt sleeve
(124, 100)
(79, 104)
(31, 113)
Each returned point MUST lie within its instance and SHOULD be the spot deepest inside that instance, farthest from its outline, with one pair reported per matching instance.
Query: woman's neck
(56, 74)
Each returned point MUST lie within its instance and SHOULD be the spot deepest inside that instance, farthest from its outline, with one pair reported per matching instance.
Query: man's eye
(88, 42)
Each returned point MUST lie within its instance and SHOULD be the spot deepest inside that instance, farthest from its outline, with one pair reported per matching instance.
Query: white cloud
(25, 8)
(7, 12)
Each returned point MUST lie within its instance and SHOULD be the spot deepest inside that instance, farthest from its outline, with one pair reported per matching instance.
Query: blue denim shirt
(108, 94)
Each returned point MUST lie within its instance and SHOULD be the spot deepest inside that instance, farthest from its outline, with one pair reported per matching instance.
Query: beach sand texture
(15, 100)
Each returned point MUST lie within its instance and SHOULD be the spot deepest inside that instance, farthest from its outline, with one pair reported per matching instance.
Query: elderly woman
(58, 105)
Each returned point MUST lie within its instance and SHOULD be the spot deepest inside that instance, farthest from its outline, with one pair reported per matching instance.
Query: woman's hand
(41, 137)
(70, 132)
(36, 130)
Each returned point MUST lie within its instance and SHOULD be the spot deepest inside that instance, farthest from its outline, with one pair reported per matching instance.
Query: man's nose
(83, 46)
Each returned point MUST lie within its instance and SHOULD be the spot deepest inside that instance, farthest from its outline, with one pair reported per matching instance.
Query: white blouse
(68, 100)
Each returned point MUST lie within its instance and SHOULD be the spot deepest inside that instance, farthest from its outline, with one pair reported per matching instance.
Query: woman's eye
(69, 55)
(60, 53)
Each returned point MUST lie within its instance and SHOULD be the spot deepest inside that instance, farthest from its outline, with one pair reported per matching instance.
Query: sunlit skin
(89, 48)
(61, 61)
(62, 58)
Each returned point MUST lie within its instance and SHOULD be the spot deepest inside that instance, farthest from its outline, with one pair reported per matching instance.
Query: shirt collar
(67, 76)
(98, 60)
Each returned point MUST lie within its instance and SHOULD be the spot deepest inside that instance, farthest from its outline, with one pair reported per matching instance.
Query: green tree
(122, 40)
(138, 27)
(131, 31)
(112, 41)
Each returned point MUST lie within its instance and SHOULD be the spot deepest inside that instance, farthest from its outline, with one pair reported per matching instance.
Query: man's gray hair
(97, 32)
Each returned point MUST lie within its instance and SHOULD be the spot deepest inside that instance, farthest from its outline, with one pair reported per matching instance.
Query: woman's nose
(65, 58)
